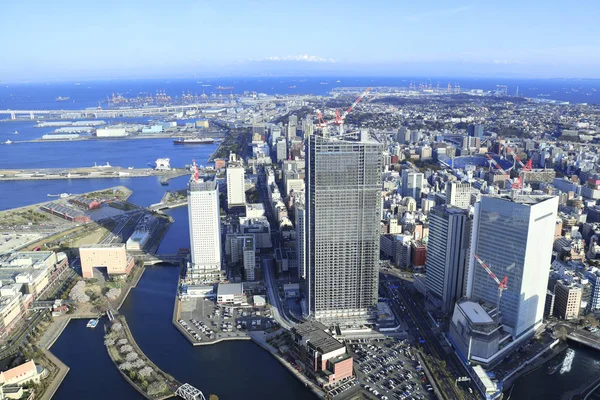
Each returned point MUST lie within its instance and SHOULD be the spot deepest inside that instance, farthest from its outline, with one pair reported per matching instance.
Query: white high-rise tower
(514, 237)
(205, 230)
(236, 185)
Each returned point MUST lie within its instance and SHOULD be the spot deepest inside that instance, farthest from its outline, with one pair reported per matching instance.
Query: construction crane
(340, 118)
(518, 183)
(502, 284)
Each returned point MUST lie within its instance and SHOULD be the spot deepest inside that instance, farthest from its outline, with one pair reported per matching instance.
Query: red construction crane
(518, 183)
(340, 118)
(195, 169)
(495, 164)
(502, 284)
(526, 167)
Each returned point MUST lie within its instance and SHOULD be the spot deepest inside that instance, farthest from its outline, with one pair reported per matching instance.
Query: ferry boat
(194, 141)
(92, 323)
(61, 98)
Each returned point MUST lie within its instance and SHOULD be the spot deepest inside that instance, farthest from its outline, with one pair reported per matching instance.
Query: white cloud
(299, 57)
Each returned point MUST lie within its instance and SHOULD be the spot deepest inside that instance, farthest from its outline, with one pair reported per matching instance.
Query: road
(279, 312)
(419, 327)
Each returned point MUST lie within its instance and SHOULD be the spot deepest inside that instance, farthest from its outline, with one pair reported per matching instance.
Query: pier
(108, 113)
(95, 172)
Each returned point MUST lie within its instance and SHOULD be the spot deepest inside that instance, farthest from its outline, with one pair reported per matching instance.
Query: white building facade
(236, 185)
(205, 230)
(514, 238)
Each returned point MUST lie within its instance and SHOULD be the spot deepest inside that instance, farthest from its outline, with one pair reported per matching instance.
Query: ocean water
(94, 93)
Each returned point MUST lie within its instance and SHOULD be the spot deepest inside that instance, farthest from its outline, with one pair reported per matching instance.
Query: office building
(448, 251)
(205, 230)
(113, 257)
(412, 183)
(300, 213)
(236, 184)
(281, 150)
(567, 301)
(476, 130)
(514, 238)
(458, 194)
(343, 210)
(403, 135)
(292, 127)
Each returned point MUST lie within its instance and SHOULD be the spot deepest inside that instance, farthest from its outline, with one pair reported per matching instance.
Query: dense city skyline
(115, 39)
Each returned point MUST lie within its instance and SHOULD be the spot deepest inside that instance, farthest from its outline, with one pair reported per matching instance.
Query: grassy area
(23, 217)
(107, 193)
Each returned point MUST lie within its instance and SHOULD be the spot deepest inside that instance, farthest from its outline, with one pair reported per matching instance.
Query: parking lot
(206, 321)
(388, 369)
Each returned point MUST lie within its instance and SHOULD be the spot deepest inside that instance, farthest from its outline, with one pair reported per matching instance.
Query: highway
(418, 324)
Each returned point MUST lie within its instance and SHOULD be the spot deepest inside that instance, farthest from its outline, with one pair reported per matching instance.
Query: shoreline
(254, 337)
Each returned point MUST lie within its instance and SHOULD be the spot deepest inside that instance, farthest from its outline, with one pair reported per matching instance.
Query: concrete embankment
(58, 379)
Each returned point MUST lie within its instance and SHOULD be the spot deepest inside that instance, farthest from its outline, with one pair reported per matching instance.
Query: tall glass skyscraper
(514, 237)
(343, 208)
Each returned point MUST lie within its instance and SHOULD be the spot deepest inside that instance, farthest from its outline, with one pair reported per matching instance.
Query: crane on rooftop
(502, 284)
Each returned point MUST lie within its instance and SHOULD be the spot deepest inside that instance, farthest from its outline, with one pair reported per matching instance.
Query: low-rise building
(231, 293)
(567, 300)
(323, 356)
(113, 257)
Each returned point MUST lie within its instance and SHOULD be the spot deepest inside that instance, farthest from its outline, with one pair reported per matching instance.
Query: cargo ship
(60, 98)
(194, 141)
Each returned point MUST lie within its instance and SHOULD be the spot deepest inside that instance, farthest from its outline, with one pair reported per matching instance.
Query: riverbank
(540, 359)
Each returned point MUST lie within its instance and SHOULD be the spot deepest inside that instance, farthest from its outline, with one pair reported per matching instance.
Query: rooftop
(202, 186)
(102, 246)
(225, 289)
(475, 312)
(314, 333)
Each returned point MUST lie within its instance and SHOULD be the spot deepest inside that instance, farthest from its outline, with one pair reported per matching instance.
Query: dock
(95, 172)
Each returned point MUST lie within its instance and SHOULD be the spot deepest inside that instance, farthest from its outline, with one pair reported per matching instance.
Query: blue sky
(64, 39)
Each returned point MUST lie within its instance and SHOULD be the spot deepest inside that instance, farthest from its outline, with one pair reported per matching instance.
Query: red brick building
(419, 254)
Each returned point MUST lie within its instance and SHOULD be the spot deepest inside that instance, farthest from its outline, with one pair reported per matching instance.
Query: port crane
(340, 118)
(502, 284)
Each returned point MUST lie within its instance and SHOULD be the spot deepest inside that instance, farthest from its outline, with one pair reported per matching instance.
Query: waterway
(559, 386)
